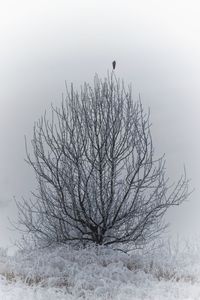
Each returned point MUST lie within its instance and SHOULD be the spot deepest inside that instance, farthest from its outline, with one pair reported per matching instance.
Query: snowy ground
(166, 273)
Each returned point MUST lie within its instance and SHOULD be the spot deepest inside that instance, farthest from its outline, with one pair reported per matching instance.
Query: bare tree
(97, 178)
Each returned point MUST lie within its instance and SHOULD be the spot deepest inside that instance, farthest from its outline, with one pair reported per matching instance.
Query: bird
(114, 64)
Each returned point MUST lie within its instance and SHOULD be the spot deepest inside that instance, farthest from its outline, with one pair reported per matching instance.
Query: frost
(165, 273)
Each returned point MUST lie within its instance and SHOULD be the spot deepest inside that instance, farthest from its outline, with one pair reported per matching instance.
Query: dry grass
(11, 277)
(159, 272)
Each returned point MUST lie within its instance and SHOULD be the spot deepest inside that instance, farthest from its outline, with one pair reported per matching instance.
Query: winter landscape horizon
(100, 164)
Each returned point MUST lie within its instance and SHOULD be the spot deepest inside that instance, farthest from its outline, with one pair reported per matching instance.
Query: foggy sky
(157, 48)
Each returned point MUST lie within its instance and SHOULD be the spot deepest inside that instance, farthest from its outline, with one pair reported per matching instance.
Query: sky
(156, 45)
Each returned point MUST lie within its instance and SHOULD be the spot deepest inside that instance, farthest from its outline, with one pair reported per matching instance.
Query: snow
(165, 273)
(143, 288)
(19, 291)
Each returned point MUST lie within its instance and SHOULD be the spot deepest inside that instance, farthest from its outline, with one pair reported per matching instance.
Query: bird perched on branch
(114, 64)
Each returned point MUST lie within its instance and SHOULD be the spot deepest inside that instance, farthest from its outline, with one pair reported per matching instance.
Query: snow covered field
(165, 273)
